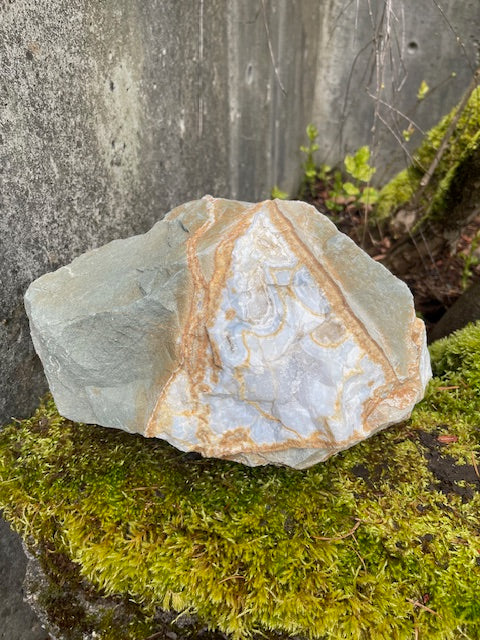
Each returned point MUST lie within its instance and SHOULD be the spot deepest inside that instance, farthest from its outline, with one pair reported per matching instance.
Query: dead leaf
(447, 439)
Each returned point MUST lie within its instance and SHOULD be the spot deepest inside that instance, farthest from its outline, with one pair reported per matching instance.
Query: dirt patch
(450, 477)
(437, 281)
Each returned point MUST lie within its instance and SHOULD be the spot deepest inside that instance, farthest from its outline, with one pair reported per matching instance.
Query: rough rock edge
(302, 451)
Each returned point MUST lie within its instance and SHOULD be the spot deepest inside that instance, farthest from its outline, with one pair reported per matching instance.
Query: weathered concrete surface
(273, 55)
(17, 622)
(113, 112)
(436, 42)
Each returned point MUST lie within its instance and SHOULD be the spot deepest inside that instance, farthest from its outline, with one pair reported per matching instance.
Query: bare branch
(397, 111)
(475, 466)
(336, 20)
(397, 137)
(270, 48)
(457, 37)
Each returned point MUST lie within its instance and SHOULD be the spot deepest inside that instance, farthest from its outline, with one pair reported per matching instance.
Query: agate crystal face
(253, 332)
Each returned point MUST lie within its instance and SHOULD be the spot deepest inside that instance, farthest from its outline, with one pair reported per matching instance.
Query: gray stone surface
(466, 309)
(17, 621)
(235, 330)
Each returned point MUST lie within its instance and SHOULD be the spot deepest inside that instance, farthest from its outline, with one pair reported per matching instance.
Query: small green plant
(278, 194)
(323, 172)
(358, 165)
(338, 198)
(470, 260)
(408, 132)
(309, 167)
(356, 192)
(422, 90)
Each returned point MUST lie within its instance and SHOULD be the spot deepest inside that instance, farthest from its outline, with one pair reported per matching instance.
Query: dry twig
(416, 603)
(237, 576)
(270, 49)
(345, 535)
(155, 636)
(145, 488)
(474, 462)
(358, 554)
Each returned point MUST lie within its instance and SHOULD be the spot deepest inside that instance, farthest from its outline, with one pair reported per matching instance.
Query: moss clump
(458, 181)
(399, 191)
(380, 541)
(456, 359)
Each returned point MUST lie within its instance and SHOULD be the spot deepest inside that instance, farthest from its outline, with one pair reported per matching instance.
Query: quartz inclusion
(283, 342)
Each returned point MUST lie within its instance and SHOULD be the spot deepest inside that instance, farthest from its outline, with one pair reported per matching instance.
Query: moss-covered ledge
(382, 541)
(444, 190)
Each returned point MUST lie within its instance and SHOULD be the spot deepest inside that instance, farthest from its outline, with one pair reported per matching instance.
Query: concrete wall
(112, 112)
(372, 58)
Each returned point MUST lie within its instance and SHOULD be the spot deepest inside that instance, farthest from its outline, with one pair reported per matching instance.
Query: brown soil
(439, 281)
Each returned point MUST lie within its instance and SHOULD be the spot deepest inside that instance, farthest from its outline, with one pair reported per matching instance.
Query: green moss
(401, 189)
(456, 358)
(457, 181)
(398, 191)
(348, 549)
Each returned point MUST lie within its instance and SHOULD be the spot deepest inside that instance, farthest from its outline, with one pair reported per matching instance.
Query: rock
(466, 309)
(19, 622)
(253, 332)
